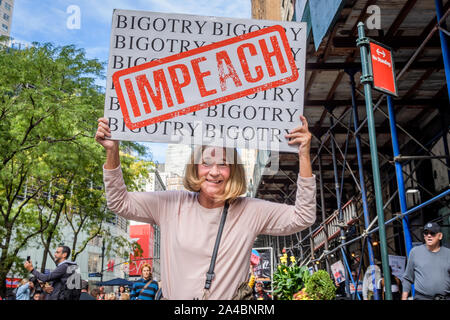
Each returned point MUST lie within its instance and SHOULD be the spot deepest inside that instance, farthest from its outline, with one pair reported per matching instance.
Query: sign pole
(366, 80)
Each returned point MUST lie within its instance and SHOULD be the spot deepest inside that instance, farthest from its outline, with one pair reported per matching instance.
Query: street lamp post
(103, 259)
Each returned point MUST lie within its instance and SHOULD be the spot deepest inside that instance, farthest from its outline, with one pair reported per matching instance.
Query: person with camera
(57, 277)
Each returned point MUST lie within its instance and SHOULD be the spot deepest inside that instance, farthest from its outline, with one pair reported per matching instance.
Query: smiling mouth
(214, 181)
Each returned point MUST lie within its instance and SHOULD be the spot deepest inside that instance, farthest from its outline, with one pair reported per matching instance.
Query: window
(0, 2)
(6, 17)
(5, 27)
(7, 5)
(94, 262)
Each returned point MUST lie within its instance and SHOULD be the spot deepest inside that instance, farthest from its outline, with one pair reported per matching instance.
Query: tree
(50, 165)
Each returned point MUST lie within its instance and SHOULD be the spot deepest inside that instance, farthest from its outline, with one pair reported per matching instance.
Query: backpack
(72, 286)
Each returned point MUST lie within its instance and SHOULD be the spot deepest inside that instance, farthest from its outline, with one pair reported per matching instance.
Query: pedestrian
(120, 291)
(85, 291)
(37, 296)
(24, 290)
(36, 287)
(145, 288)
(396, 286)
(428, 267)
(57, 277)
(260, 293)
(190, 220)
(358, 283)
(371, 280)
(101, 294)
(47, 290)
(110, 296)
(95, 293)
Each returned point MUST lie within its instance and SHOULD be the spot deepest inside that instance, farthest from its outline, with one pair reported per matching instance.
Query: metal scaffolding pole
(399, 173)
(444, 44)
(361, 182)
(339, 207)
(366, 79)
(440, 19)
(419, 207)
(322, 202)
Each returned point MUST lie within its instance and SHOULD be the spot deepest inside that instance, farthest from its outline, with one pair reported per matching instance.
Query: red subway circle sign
(199, 78)
(383, 68)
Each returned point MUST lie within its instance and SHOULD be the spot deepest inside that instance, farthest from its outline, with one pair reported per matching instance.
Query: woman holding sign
(210, 220)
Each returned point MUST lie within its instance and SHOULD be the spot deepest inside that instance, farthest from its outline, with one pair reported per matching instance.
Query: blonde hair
(236, 184)
(146, 265)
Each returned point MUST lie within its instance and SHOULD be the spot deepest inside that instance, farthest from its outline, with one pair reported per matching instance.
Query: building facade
(6, 12)
(89, 261)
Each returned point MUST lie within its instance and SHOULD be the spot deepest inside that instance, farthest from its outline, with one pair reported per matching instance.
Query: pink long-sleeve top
(188, 232)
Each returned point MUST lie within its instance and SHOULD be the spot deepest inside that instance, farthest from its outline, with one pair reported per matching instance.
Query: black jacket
(57, 278)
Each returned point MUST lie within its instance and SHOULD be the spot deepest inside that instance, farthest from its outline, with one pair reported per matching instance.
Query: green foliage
(50, 165)
(289, 279)
(319, 286)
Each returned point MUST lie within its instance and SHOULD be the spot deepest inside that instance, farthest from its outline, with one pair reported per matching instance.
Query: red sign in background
(383, 69)
(144, 234)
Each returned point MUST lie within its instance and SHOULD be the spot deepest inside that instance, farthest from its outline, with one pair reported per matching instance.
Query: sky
(56, 21)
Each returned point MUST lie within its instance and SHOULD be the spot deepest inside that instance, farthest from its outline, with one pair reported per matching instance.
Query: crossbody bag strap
(210, 273)
(145, 287)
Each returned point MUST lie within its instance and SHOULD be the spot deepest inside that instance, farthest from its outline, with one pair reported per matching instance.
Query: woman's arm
(283, 219)
(130, 205)
(145, 207)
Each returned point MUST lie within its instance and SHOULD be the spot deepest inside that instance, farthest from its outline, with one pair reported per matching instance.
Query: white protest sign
(205, 80)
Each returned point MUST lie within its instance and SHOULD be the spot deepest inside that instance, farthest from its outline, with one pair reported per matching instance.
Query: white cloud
(42, 21)
(46, 22)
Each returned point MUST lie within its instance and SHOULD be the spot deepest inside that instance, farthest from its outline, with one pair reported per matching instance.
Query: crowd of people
(428, 269)
(54, 285)
(145, 288)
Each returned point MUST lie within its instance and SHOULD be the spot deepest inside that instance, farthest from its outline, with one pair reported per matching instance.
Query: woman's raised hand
(104, 132)
(302, 137)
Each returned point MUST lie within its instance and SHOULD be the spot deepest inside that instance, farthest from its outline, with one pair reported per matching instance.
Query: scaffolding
(319, 245)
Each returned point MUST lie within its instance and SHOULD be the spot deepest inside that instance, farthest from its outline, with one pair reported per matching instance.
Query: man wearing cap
(428, 267)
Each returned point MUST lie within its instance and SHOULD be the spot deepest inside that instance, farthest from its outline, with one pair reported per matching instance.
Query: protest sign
(205, 101)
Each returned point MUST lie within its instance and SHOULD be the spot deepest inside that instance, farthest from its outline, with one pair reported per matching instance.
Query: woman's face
(215, 170)
(146, 273)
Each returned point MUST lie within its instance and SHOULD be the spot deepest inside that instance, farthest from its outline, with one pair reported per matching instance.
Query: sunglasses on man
(431, 233)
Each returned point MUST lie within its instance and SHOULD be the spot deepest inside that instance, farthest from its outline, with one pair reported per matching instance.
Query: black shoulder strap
(210, 273)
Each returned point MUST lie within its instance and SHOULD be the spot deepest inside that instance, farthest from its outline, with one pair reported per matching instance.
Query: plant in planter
(289, 279)
(319, 286)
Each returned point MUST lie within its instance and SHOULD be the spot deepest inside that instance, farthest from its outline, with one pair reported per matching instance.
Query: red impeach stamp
(196, 79)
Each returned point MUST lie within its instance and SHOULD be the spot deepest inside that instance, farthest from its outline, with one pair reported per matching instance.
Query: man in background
(428, 267)
(84, 291)
(57, 277)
